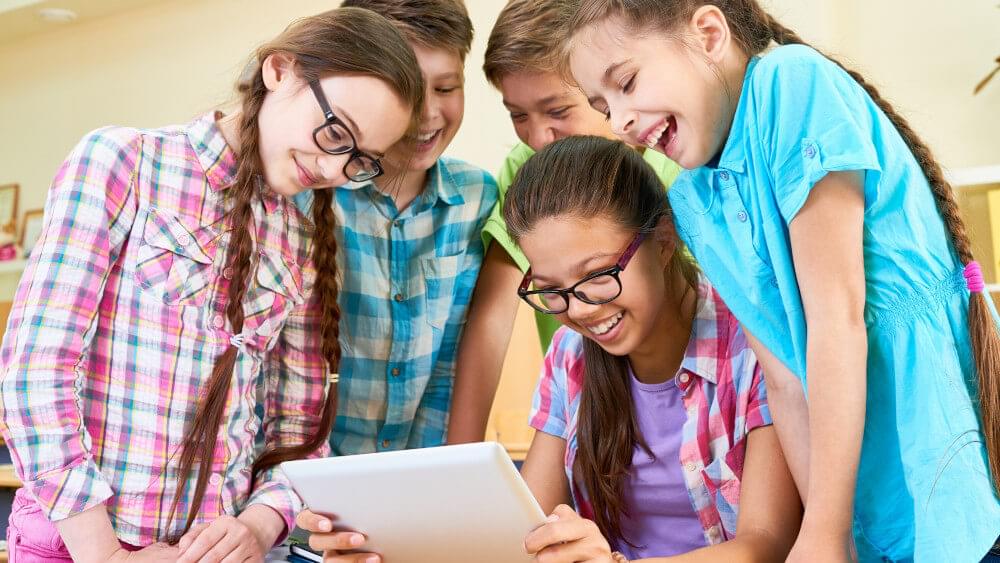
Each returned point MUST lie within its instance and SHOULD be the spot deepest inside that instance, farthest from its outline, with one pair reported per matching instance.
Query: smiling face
(564, 250)
(543, 109)
(657, 90)
(444, 108)
(292, 161)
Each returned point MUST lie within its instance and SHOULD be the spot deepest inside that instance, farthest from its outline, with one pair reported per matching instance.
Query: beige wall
(165, 62)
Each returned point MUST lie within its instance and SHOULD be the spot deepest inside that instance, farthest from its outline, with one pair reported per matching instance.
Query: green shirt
(496, 227)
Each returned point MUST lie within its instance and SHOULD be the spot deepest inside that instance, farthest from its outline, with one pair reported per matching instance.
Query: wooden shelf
(15, 266)
(8, 480)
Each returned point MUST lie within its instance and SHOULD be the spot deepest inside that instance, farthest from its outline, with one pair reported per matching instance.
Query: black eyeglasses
(596, 289)
(334, 137)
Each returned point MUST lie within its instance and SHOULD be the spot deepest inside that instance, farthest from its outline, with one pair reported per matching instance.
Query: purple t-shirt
(661, 520)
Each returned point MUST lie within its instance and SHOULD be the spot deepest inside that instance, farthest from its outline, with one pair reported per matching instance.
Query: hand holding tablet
(446, 504)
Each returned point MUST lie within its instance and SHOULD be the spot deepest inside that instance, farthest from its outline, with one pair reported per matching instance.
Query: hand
(566, 537)
(156, 553)
(331, 543)
(224, 540)
(822, 547)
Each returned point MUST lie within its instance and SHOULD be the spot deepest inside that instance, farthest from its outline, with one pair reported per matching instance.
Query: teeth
(654, 136)
(424, 137)
(607, 325)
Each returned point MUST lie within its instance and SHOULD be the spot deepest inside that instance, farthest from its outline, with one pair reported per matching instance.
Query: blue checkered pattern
(407, 279)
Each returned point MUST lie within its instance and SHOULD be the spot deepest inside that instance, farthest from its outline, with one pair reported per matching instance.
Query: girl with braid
(173, 274)
(827, 227)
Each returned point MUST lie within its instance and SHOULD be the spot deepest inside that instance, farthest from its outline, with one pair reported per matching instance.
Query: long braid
(347, 41)
(326, 289)
(982, 329)
(203, 433)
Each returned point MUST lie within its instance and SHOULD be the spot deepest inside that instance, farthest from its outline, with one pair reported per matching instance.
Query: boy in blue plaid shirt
(410, 254)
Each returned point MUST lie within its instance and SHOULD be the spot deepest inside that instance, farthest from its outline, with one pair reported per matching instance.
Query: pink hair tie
(974, 277)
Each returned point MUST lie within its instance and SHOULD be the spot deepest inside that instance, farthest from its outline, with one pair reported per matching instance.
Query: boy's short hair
(431, 23)
(524, 38)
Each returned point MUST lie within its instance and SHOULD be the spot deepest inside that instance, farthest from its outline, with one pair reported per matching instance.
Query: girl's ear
(276, 69)
(665, 236)
(711, 32)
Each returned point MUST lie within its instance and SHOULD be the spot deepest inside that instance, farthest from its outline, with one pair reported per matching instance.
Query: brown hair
(341, 41)
(753, 30)
(433, 23)
(522, 39)
(557, 181)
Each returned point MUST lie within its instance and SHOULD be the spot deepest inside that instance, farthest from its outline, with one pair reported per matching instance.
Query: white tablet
(447, 504)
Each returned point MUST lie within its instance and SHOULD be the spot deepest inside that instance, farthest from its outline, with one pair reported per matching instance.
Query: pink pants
(31, 537)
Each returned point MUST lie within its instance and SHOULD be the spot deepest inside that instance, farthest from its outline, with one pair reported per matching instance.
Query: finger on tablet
(312, 522)
(336, 540)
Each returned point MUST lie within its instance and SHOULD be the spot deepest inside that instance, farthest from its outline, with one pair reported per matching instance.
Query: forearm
(837, 393)
(88, 535)
(483, 346)
(790, 413)
(476, 379)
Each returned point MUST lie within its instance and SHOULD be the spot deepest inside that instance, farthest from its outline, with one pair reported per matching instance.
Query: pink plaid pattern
(724, 397)
(119, 319)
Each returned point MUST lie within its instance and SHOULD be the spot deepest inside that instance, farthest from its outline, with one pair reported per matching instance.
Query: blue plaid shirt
(407, 279)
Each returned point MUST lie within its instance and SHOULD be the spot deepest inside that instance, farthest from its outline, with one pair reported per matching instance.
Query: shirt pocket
(175, 260)
(723, 480)
(278, 290)
(440, 274)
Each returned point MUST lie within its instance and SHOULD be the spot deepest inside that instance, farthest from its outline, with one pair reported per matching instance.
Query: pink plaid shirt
(119, 319)
(724, 396)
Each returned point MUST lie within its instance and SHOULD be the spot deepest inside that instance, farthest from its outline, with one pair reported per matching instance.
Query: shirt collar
(219, 161)
(709, 335)
(440, 185)
(216, 157)
(734, 153)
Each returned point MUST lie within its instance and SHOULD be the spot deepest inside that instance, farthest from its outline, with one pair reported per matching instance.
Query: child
(815, 209)
(543, 108)
(651, 412)
(172, 273)
(413, 253)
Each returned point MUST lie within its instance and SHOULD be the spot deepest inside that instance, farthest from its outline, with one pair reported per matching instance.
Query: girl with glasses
(651, 410)
(173, 278)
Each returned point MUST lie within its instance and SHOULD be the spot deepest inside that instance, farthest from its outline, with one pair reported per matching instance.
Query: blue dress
(923, 492)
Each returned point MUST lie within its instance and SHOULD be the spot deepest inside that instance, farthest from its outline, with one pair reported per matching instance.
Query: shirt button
(395, 372)
(724, 175)
(713, 534)
(184, 240)
(398, 297)
(227, 273)
(218, 321)
(215, 479)
(397, 223)
(385, 443)
(810, 152)
(690, 467)
(742, 216)
(684, 377)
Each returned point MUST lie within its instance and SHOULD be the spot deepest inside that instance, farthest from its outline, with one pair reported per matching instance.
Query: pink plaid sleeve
(296, 384)
(88, 215)
(557, 394)
(758, 413)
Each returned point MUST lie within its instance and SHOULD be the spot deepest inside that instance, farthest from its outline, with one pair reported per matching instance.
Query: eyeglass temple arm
(631, 250)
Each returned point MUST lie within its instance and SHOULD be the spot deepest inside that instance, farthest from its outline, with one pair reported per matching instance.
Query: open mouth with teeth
(663, 135)
(426, 140)
(606, 326)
